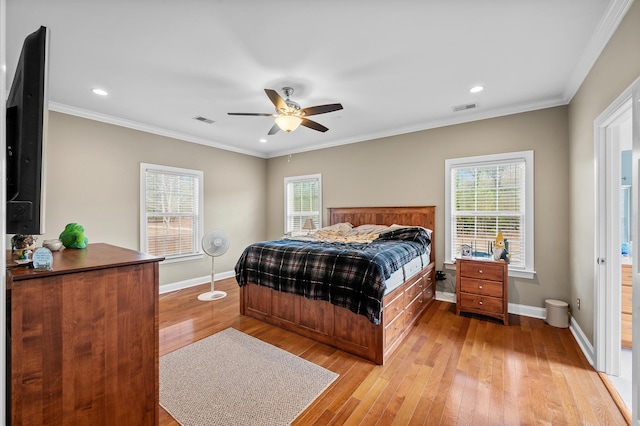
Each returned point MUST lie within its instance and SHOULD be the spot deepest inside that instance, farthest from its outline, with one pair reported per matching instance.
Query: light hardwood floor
(450, 370)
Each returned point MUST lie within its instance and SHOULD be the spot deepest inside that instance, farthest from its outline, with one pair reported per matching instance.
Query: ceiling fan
(289, 115)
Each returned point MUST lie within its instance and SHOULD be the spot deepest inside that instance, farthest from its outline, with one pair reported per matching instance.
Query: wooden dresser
(84, 338)
(626, 307)
(482, 287)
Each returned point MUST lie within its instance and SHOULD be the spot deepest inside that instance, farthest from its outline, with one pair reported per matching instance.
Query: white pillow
(370, 229)
(341, 227)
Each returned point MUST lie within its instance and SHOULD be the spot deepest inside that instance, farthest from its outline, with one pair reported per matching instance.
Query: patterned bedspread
(348, 275)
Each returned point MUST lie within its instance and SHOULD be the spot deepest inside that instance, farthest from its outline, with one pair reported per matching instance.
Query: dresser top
(94, 256)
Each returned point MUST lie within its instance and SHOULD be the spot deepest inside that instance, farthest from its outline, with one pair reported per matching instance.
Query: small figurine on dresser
(500, 251)
(23, 245)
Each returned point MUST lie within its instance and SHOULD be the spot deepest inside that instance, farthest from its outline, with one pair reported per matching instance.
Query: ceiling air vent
(203, 119)
(465, 107)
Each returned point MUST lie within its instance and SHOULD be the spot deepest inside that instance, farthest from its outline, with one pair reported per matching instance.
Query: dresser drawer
(413, 309)
(394, 329)
(481, 303)
(427, 294)
(481, 287)
(482, 271)
(413, 290)
(626, 275)
(627, 300)
(626, 331)
(393, 309)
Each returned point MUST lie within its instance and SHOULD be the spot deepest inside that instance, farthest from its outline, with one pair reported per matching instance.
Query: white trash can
(557, 313)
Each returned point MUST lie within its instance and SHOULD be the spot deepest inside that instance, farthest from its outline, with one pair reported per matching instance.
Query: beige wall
(617, 67)
(409, 170)
(93, 173)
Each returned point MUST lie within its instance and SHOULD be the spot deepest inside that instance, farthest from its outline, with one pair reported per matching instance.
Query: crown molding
(606, 28)
(91, 115)
(464, 117)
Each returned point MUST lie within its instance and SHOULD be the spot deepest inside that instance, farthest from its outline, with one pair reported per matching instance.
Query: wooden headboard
(424, 216)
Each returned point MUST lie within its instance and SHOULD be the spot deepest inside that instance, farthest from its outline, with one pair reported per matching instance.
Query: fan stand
(213, 294)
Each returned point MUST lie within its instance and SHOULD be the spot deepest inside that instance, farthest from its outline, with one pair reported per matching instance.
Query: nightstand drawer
(483, 303)
(482, 270)
(481, 287)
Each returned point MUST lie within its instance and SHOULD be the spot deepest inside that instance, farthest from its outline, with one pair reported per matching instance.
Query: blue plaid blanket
(348, 275)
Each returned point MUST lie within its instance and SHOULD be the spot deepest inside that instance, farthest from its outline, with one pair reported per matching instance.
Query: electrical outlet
(578, 303)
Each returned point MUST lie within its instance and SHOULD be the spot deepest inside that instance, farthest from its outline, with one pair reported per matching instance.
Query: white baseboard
(527, 311)
(192, 282)
(583, 342)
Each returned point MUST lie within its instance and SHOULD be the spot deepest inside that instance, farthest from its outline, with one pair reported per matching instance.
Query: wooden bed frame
(339, 327)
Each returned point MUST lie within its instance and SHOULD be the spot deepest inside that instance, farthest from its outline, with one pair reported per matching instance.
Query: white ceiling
(396, 66)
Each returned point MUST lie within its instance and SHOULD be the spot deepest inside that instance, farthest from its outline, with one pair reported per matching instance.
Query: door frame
(607, 300)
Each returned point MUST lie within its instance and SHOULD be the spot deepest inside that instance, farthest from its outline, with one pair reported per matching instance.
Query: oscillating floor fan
(214, 243)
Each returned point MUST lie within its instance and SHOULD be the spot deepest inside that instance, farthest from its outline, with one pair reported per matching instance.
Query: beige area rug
(231, 378)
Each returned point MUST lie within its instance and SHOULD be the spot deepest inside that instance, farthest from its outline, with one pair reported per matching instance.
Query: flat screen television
(27, 112)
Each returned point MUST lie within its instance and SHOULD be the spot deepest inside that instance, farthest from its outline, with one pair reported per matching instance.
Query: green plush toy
(73, 236)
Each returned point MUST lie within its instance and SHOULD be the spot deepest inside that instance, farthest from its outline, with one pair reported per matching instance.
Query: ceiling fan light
(288, 123)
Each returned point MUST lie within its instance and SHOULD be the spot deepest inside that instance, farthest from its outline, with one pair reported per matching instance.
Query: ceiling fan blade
(313, 125)
(275, 129)
(261, 114)
(276, 99)
(321, 109)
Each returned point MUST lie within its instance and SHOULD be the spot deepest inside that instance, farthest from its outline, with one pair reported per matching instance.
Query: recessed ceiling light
(476, 89)
(263, 140)
(100, 92)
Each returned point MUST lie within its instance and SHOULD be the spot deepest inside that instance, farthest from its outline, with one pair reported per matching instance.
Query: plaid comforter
(347, 275)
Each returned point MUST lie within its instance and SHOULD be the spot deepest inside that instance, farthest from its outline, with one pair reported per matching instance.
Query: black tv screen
(27, 111)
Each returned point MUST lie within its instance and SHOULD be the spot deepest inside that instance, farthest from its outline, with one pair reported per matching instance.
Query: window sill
(183, 258)
(529, 275)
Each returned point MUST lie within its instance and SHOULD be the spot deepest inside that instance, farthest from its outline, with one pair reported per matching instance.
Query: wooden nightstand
(482, 287)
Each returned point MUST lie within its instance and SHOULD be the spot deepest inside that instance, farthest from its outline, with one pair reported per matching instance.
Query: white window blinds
(172, 209)
(487, 195)
(489, 199)
(303, 201)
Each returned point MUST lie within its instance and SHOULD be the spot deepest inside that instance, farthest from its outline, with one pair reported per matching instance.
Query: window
(486, 195)
(170, 211)
(302, 201)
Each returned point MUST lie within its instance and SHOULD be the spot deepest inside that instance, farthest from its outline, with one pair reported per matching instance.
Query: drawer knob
(480, 287)
(480, 271)
(480, 302)
(397, 308)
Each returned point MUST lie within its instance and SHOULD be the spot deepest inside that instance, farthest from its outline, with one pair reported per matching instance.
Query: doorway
(617, 148)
